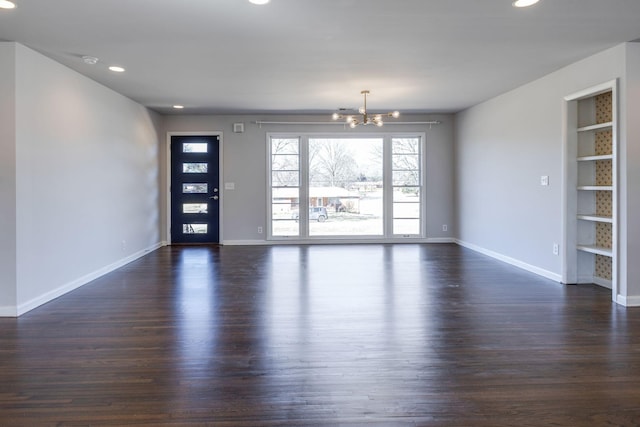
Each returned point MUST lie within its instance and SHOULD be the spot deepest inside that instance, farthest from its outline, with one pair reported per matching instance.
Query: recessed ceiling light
(524, 3)
(259, 1)
(178, 107)
(6, 4)
(116, 69)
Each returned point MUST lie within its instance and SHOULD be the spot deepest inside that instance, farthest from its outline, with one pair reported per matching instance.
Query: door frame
(167, 180)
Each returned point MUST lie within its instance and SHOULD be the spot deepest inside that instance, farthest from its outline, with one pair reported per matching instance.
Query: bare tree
(285, 162)
(331, 163)
(406, 162)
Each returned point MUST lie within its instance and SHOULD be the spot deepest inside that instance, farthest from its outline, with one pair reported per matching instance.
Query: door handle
(214, 197)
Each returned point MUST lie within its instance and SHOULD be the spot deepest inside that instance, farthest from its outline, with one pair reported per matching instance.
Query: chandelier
(365, 118)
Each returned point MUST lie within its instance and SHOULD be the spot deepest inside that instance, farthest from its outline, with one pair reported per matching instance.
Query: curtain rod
(261, 122)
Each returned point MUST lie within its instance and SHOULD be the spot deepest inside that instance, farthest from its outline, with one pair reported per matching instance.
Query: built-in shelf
(598, 250)
(591, 198)
(596, 218)
(595, 158)
(596, 127)
(595, 188)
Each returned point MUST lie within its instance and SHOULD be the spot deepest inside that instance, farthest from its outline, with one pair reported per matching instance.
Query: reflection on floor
(351, 335)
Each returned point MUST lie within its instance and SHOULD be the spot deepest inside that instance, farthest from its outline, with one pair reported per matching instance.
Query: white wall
(7, 181)
(503, 147)
(630, 177)
(87, 179)
(245, 163)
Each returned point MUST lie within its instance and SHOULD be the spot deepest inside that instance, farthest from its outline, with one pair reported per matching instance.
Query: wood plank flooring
(350, 335)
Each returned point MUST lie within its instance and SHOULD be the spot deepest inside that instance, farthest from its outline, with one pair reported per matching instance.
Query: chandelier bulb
(366, 118)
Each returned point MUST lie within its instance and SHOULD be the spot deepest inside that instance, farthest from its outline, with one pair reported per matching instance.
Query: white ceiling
(304, 56)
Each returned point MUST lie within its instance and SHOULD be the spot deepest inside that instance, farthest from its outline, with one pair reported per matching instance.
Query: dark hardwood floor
(352, 335)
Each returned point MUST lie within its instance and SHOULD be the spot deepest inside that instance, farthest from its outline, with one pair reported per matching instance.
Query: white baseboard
(585, 278)
(516, 263)
(8, 311)
(603, 282)
(631, 301)
(245, 242)
(75, 284)
(325, 241)
(441, 240)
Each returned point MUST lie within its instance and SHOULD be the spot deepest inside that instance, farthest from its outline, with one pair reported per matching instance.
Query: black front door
(195, 189)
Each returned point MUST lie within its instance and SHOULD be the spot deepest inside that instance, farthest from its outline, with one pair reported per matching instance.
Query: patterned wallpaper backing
(604, 268)
(603, 142)
(604, 203)
(604, 108)
(604, 176)
(604, 172)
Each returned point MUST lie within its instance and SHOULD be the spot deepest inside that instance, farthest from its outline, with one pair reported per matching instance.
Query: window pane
(284, 146)
(288, 197)
(284, 211)
(402, 178)
(406, 226)
(406, 210)
(285, 179)
(195, 228)
(406, 194)
(285, 187)
(190, 208)
(345, 187)
(406, 162)
(406, 145)
(195, 188)
(407, 205)
(285, 162)
(285, 227)
(195, 147)
(195, 167)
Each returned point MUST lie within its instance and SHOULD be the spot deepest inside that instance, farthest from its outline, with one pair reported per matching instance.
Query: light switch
(544, 180)
(229, 185)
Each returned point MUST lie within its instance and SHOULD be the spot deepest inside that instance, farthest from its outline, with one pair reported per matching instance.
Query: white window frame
(303, 206)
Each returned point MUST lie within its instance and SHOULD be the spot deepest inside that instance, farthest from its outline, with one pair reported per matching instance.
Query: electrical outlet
(444, 227)
(259, 230)
(556, 249)
(124, 245)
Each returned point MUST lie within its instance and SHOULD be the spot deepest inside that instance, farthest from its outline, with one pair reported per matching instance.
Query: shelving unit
(590, 253)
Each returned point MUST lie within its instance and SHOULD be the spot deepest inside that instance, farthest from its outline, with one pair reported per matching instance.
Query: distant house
(288, 198)
(365, 186)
